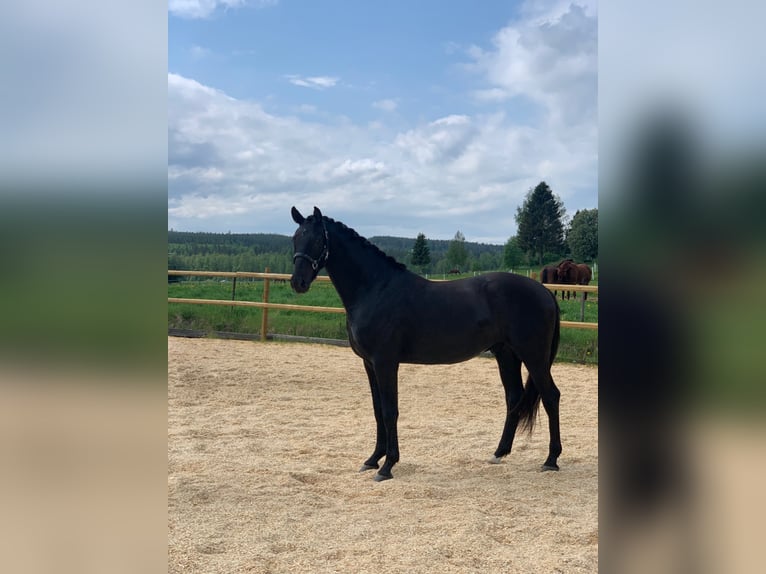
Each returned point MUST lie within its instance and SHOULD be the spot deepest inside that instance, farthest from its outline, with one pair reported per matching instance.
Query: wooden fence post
(582, 305)
(265, 315)
(233, 287)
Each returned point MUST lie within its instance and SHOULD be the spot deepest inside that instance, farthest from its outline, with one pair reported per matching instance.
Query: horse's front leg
(380, 435)
(386, 375)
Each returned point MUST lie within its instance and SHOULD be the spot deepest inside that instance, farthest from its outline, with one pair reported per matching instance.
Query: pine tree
(421, 254)
(540, 224)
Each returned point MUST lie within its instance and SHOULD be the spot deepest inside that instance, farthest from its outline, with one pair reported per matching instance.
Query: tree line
(254, 252)
(542, 237)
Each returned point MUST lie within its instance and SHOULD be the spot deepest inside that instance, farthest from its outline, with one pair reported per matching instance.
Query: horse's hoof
(549, 467)
(366, 467)
(495, 460)
(381, 477)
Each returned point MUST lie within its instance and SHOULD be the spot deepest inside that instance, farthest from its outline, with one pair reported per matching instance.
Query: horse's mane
(351, 234)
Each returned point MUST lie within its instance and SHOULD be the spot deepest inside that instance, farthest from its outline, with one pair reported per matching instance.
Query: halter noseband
(317, 263)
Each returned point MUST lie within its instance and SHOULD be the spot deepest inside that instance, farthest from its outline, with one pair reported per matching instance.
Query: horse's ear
(317, 213)
(297, 217)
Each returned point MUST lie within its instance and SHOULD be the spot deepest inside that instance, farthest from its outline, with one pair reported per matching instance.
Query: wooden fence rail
(266, 305)
(262, 305)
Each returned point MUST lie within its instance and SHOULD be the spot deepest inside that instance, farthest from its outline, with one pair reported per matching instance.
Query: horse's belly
(446, 346)
(441, 334)
(440, 357)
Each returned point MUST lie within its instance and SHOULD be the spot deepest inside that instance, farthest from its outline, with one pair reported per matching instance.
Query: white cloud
(229, 151)
(338, 172)
(367, 168)
(306, 109)
(199, 52)
(206, 207)
(385, 105)
(491, 95)
(233, 165)
(549, 58)
(315, 82)
(443, 139)
(539, 11)
(199, 9)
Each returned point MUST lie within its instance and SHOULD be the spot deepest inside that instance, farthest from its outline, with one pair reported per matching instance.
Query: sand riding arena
(265, 441)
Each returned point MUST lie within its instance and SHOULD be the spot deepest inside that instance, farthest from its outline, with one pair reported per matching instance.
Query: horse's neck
(355, 269)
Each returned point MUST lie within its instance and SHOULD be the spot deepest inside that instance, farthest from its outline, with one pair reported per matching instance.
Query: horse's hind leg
(510, 373)
(550, 395)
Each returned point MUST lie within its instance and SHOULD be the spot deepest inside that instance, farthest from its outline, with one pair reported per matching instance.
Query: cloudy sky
(395, 118)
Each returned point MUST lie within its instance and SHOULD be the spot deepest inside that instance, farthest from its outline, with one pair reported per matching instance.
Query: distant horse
(584, 274)
(549, 274)
(571, 273)
(394, 316)
(454, 271)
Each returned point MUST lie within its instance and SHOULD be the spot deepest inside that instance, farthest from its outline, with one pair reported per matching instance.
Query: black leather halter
(319, 262)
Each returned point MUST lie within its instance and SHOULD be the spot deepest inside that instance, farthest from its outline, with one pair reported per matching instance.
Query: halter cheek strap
(320, 261)
(315, 263)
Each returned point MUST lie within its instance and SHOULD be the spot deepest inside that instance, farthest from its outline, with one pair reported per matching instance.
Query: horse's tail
(556, 333)
(530, 400)
(527, 408)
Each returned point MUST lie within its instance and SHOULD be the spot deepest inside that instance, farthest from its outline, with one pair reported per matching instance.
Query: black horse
(394, 316)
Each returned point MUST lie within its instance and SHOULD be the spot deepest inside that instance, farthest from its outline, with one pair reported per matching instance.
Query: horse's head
(567, 272)
(552, 274)
(311, 246)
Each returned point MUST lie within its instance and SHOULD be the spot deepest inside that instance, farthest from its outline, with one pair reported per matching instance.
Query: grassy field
(577, 345)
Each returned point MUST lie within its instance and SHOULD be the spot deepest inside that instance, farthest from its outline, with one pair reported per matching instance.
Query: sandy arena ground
(265, 440)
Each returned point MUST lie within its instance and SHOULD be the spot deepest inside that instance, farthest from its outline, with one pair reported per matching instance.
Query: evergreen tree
(583, 235)
(540, 224)
(457, 255)
(421, 254)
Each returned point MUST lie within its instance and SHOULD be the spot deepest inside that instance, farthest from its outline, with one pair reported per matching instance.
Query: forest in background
(202, 251)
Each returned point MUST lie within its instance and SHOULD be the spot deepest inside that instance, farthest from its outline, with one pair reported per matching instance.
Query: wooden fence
(266, 305)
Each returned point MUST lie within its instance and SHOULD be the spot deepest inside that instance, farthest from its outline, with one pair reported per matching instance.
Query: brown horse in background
(550, 274)
(571, 273)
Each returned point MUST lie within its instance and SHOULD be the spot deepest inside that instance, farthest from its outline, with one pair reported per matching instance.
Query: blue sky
(395, 118)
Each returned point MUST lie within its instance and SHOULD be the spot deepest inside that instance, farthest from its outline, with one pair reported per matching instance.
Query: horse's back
(506, 302)
(510, 289)
(451, 321)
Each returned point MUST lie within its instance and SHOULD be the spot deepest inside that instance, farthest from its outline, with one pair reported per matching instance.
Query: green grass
(576, 345)
(248, 319)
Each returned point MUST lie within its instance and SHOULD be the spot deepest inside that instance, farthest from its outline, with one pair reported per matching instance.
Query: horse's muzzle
(299, 284)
